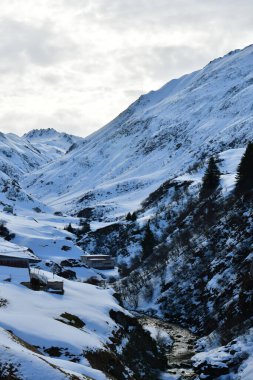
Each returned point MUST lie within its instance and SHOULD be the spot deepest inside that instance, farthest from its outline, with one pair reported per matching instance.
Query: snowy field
(37, 317)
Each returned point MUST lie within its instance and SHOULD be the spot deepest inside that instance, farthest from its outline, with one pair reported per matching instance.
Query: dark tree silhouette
(84, 228)
(134, 216)
(69, 228)
(148, 242)
(211, 179)
(244, 176)
(131, 217)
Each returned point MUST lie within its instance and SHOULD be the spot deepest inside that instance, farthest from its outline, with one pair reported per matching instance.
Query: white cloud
(74, 65)
(22, 43)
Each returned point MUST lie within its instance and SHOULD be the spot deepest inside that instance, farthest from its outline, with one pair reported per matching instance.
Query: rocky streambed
(179, 351)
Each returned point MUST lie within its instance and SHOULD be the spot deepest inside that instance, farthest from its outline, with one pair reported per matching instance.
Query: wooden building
(17, 261)
(39, 281)
(98, 261)
(14, 262)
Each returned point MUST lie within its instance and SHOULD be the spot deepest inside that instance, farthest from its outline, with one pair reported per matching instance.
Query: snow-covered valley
(63, 196)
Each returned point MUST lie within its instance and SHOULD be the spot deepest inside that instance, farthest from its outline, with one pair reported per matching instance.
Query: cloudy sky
(75, 64)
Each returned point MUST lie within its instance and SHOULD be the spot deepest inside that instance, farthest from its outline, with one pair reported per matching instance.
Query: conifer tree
(211, 179)
(148, 242)
(244, 176)
(134, 216)
(69, 228)
(129, 217)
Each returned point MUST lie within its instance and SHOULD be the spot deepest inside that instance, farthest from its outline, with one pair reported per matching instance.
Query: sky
(74, 65)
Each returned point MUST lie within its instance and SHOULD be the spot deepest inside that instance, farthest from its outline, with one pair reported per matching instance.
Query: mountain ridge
(51, 142)
(132, 190)
(157, 138)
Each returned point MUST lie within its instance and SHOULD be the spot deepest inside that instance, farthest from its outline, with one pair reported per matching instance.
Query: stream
(180, 353)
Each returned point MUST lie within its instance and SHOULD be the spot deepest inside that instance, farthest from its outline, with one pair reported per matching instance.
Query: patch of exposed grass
(3, 302)
(71, 320)
(23, 343)
(53, 351)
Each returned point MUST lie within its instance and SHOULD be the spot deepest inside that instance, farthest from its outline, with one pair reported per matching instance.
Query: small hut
(14, 262)
(98, 261)
(40, 281)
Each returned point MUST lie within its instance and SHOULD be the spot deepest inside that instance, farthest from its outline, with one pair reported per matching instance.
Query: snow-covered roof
(8, 249)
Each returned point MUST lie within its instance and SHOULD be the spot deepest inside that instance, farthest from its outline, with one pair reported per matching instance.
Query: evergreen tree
(211, 179)
(85, 228)
(244, 176)
(69, 228)
(148, 242)
(134, 216)
(129, 217)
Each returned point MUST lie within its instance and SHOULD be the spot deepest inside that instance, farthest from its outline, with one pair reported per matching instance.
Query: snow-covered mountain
(50, 142)
(159, 137)
(79, 326)
(18, 156)
(151, 159)
(21, 155)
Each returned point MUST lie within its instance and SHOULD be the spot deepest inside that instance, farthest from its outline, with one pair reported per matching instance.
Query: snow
(159, 335)
(83, 369)
(230, 159)
(32, 315)
(247, 369)
(166, 376)
(206, 111)
(9, 249)
(228, 162)
(51, 143)
(29, 365)
(14, 275)
(167, 134)
(241, 348)
(45, 235)
(37, 323)
(18, 156)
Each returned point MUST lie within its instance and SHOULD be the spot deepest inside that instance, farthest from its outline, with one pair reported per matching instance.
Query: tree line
(209, 192)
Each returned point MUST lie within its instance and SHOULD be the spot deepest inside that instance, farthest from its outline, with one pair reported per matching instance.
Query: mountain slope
(18, 156)
(182, 257)
(157, 138)
(50, 142)
(21, 361)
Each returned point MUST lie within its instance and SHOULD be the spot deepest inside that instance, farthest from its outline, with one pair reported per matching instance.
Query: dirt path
(180, 354)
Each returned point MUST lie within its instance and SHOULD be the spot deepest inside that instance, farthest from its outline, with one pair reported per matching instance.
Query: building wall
(99, 263)
(13, 262)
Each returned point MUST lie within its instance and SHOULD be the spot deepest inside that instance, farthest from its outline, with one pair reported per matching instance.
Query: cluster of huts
(16, 265)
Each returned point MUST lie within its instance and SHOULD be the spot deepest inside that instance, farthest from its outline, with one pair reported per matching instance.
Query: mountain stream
(181, 349)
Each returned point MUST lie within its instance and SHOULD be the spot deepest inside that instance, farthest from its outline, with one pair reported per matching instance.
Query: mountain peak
(51, 142)
(35, 133)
